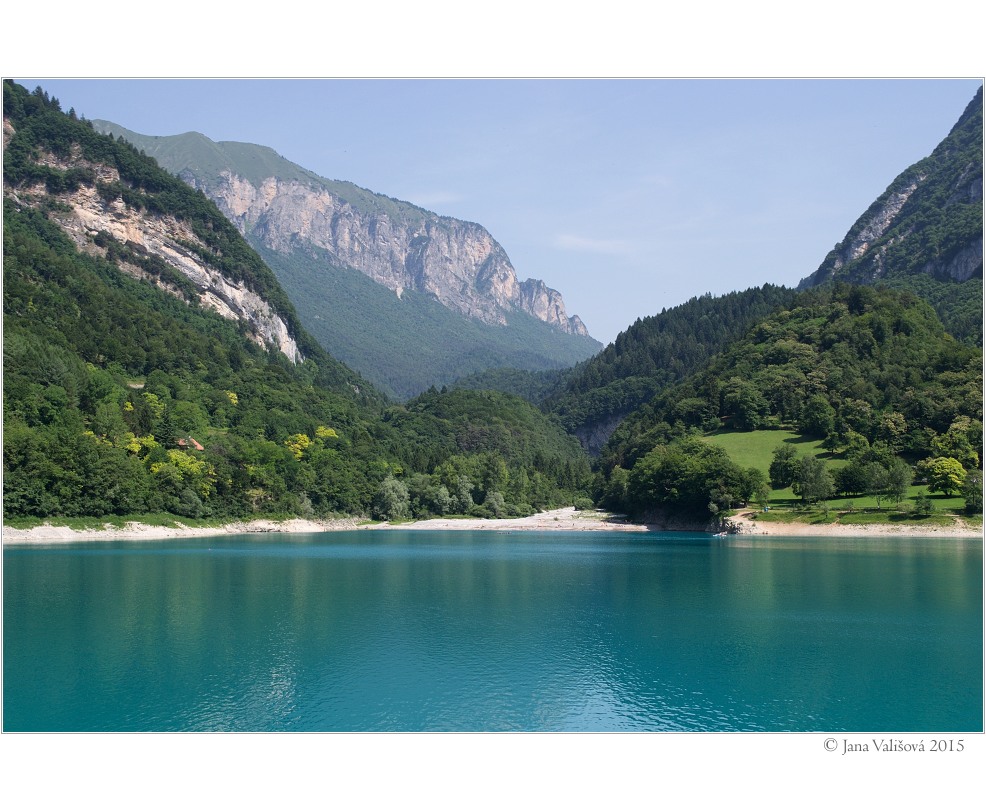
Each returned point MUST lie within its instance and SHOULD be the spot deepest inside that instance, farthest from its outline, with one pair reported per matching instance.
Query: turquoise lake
(476, 631)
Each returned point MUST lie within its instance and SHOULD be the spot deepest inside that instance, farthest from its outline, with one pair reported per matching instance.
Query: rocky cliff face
(458, 263)
(874, 224)
(83, 214)
(928, 222)
(866, 255)
(594, 435)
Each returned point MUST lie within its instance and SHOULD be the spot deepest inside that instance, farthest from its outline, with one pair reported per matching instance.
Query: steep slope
(313, 230)
(113, 203)
(407, 344)
(151, 360)
(925, 232)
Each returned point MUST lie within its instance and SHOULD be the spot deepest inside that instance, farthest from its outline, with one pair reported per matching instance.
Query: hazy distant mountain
(444, 299)
(925, 232)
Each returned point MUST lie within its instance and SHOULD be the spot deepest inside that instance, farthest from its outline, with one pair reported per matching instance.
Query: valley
(207, 331)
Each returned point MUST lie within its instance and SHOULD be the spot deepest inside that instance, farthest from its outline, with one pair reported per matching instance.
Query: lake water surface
(414, 631)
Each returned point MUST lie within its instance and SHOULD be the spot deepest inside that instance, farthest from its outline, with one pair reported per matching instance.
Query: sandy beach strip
(567, 519)
(134, 531)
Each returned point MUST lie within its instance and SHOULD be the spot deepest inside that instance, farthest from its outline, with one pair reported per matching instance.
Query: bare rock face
(878, 220)
(546, 304)
(595, 435)
(965, 264)
(458, 263)
(862, 257)
(83, 214)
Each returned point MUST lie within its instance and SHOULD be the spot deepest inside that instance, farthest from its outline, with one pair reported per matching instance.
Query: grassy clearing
(889, 517)
(756, 448)
(797, 517)
(946, 504)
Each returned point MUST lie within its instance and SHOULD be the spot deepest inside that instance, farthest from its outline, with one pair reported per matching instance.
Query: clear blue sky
(628, 196)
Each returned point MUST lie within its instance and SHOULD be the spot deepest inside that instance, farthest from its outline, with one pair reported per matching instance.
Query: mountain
(925, 232)
(151, 360)
(445, 281)
(153, 363)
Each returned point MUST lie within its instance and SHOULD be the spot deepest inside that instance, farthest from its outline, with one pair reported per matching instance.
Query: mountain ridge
(593, 399)
(258, 198)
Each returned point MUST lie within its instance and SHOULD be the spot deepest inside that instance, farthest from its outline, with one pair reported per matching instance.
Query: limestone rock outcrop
(84, 214)
(457, 262)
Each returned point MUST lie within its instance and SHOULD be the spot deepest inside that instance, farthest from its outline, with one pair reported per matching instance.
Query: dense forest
(123, 395)
(535, 387)
(513, 456)
(655, 352)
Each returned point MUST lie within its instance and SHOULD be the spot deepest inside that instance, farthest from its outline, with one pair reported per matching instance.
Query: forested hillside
(535, 387)
(109, 383)
(488, 448)
(653, 353)
(368, 326)
(131, 386)
(871, 372)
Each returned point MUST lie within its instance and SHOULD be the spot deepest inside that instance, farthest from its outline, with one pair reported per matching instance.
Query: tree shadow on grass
(800, 440)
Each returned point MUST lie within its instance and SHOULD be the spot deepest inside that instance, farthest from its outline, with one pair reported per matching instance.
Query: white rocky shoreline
(567, 519)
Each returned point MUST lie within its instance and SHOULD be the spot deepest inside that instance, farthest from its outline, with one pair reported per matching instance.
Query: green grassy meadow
(756, 448)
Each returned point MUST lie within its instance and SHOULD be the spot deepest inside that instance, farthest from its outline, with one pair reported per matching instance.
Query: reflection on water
(495, 631)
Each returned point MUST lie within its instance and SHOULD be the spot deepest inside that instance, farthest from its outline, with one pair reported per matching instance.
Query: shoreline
(747, 526)
(566, 519)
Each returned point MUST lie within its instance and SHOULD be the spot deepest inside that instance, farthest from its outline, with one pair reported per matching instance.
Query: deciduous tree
(945, 475)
